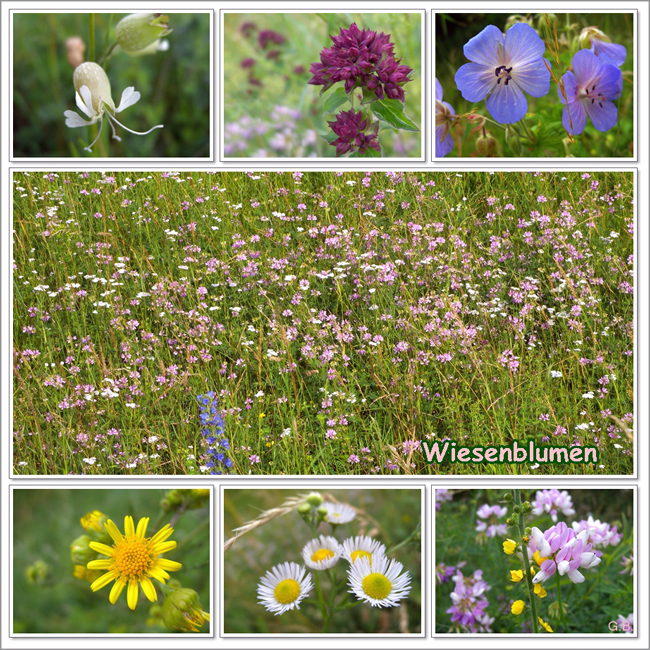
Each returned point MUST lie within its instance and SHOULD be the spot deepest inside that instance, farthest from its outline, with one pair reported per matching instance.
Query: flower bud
(527, 507)
(304, 509)
(138, 32)
(93, 76)
(80, 550)
(314, 499)
(37, 573)
(199, 498)
(80, 572)
(93, 523)
(322, 512)
(76, 48)
(513, 140)
(511, 522)
(507, 496)
(486, 145)
(183, 611)
(516, 509)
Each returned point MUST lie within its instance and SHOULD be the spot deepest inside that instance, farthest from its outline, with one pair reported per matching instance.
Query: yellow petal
(142, 527)
(117, 590)
(132, 591)
(101, 548)
(129, 528)
(159, 574)
(113, 531)
(162, 534)
(100, 565)
(102, 581)
(163, 547)
(149, 589)
(170, 565)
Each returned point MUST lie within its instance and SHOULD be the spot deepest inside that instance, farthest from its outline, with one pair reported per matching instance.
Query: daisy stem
(524, 556)
(321, 601)
(559, 602)
(409, 539)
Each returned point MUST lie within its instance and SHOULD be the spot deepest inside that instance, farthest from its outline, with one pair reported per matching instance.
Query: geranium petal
(130, 96)
(570, 84)
(523, 45)
(533, 78)
(587, 68)
(475, 81)
(486, 48)
(610, 53)
(603, 114)
(438, 91)
(443, 147)
(574, 118)
(507, 105)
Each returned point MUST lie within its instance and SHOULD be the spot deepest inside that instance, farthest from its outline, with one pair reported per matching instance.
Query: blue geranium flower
(444, 117)
(502, 69)
(589, 90)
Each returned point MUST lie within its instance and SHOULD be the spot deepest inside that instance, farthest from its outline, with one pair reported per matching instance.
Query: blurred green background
(453, 31)
(389, 516)
(269, 108)
(174, 88)
(46, 522)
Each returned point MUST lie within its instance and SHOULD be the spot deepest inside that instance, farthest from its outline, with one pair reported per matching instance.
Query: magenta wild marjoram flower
(502, 69)
(364, 59)
(350, 127)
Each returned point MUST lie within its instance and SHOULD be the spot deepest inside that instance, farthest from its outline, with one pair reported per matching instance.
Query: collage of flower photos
(259, 392)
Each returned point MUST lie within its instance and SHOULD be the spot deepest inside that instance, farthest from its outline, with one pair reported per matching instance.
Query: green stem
(524, 554)
(91, 36)
(559, 602)
(108, 53)
(409, 539)
(529, 133)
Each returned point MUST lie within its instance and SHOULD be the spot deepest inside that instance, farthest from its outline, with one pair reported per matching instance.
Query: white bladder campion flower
(93, 96)
(140, 34)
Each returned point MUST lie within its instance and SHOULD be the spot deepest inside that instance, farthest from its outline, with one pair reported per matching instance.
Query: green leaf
(336, 99)
(391, 111)
(370, 153)
(330, 136)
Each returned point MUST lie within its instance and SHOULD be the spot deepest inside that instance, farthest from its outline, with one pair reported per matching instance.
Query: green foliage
(47, 521)
(174, 86)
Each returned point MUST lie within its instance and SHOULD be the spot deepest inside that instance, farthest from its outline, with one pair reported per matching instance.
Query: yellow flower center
(377, 586)
(356, 554)
(133, 558)
(322, 554)
(287, 591)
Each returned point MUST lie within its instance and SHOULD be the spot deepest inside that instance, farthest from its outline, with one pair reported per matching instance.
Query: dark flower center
(503, 73)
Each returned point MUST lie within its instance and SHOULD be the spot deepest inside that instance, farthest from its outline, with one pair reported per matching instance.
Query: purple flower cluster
(563, 550)
(469, 602)
(442, 496)
(551, 501)
(487, 521)
(600, 534)
(361, 59)
(355, 133)
(213, 430)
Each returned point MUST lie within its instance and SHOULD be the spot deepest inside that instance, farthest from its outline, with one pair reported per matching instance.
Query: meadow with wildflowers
(319, 323)
(320, 65)
(535, 561)
(345, 561)
(535, 85)
(111, 561)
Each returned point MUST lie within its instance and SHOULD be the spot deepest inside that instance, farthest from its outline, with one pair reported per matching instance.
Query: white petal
(85, 101)
(563, 567)
(575, 576)
(73, 120)
(129, 97)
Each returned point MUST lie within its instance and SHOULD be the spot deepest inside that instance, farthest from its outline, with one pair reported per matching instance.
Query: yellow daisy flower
(133, 559)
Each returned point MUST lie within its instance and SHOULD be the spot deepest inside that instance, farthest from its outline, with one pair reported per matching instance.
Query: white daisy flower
(381, 584)
(322, 553)
(362, 546)
(339, 513)
(283, 587)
